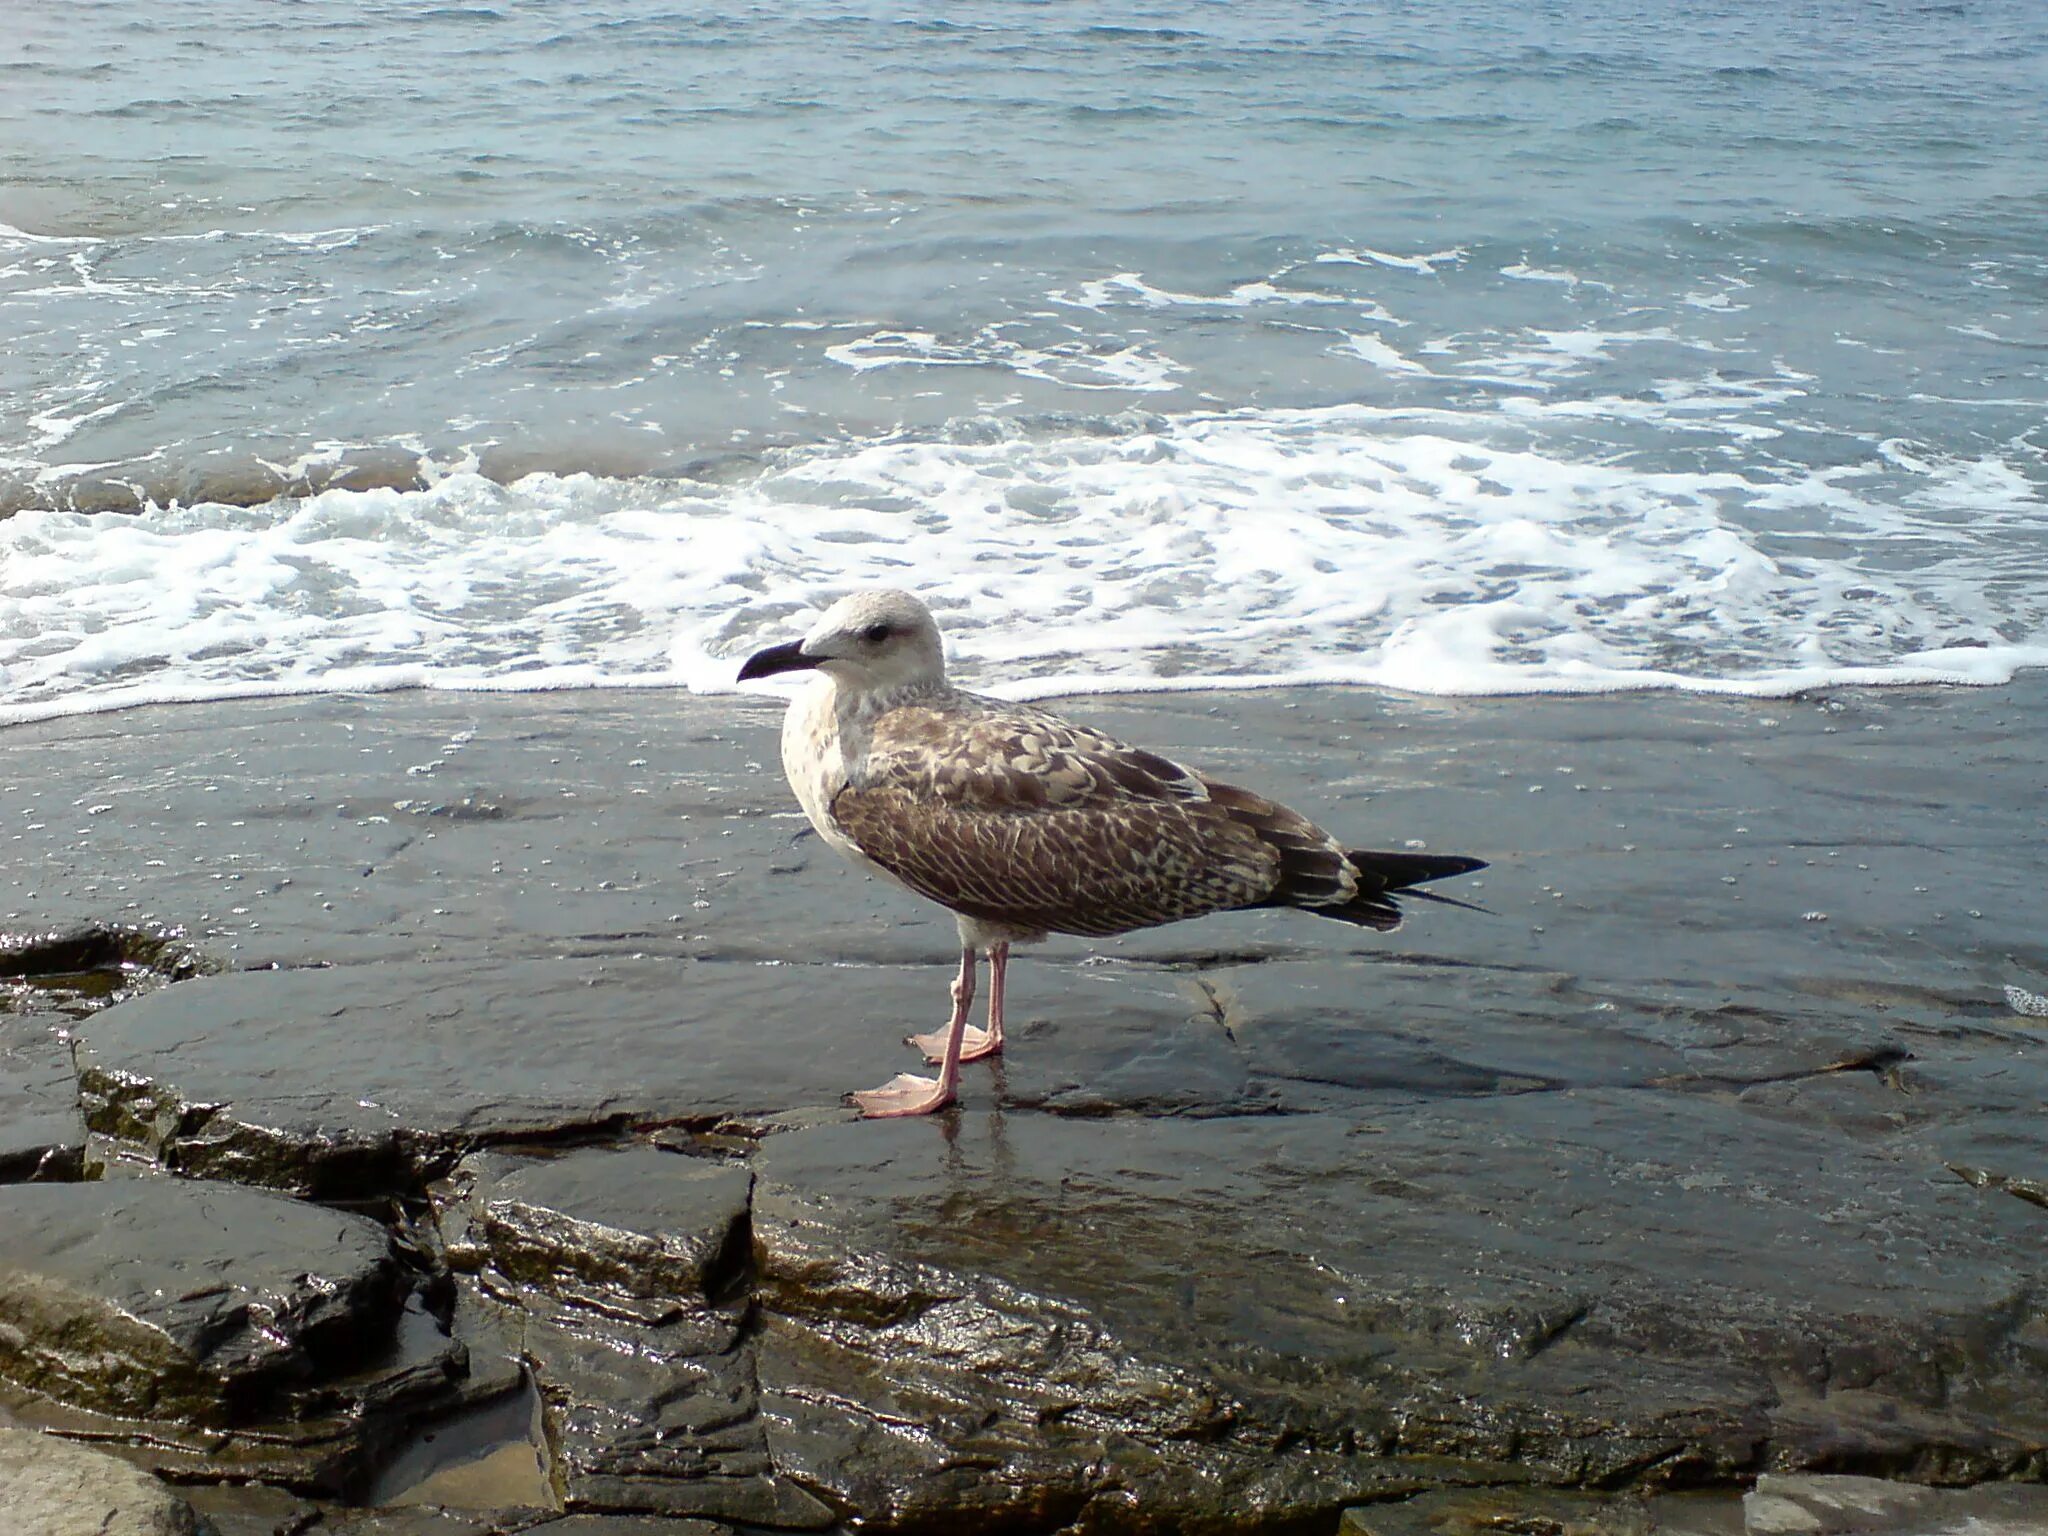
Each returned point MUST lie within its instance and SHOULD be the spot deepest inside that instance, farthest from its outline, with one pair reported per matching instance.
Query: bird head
(877, 638)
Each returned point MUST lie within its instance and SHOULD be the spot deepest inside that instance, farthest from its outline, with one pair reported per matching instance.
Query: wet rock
(226, 1330)
(1492, 1511)
(42, 1134)
(1638, 1180)
(638, 1224)
(370, 829)
(251, 1509)
(1867, 1506)
(75, 969)
(971, 1395)
(51, 1487)
(626, 1525)
(414, 1522)
(623, 1277)
(1335, 1294)
(61, 952)
(489, 1454)
(404, 1066)
(222, 1077)
(211, 1303)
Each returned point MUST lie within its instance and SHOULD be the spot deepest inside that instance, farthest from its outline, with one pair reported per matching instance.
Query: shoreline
(1784, 685)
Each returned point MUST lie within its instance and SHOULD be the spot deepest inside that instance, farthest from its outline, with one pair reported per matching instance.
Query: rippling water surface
(1472, 346)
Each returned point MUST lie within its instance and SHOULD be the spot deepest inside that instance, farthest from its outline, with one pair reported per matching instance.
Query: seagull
(1022, 824)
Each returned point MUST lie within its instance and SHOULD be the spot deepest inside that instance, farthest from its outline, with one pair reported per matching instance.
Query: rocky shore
(420, 1114)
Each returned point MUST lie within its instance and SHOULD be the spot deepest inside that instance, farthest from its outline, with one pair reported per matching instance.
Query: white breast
(816, 761)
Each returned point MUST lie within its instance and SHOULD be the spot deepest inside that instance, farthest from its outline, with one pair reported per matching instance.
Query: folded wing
(1014, 816)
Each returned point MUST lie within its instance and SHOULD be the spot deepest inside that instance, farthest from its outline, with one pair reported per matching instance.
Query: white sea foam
(1521, 271)
(1424, 265)
(8, 233)
(1131, 288)
(1341, 545)
(1380, 353)
(1076, 364)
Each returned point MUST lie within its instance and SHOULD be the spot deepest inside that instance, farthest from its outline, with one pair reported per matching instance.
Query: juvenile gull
(1022, 824)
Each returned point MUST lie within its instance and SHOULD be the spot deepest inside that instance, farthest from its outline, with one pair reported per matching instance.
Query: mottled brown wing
(1088, 869)
(1014, 816)
(977, 751)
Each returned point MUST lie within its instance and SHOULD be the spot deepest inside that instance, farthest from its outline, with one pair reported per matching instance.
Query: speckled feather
(1012, 815)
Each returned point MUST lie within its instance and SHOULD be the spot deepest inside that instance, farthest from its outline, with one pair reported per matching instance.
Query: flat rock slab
(1867, 1506)
(227, 1327)
(1350, 1287)
(635, 1224)
(1491, 1511)
(1779, 1505)
(51, 1487)
(626, 1525)
(622, 1279)
(42, 1133)
(1714, 1147)
(363, 1080)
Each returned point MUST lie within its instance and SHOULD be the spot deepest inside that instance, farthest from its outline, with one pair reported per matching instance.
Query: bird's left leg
(974, 1043)
(998, 972)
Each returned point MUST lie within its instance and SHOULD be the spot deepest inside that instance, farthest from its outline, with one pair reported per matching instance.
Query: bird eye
(875, 634)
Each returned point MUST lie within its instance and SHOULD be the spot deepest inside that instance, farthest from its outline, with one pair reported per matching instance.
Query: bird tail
(1381, 875)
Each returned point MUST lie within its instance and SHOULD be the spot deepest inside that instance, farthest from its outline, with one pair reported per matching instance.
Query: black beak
(777, 658)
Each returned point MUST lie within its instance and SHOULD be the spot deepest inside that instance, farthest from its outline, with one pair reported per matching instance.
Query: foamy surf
(1347, 545)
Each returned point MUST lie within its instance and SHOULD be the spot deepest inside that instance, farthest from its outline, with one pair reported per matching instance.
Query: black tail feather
(1381, 875)
(1398, 871)
(1445, 901)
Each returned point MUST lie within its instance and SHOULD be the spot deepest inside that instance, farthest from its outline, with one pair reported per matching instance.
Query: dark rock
(490, 1454)
(932, 1398)
(75, 969)
(1640, 1179)
(1868, 1506)
(42, 1134)
(51, 1487)
(1209, 1294)
(251, 1509)
(410, 1522)
(222, 1077)
(1529, 1511)
(225, 1330)
(623, 1277)
(205, 1303)
(637, 1225)
(625, 1525)
(63, 952)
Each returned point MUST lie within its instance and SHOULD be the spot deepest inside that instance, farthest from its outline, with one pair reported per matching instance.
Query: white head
(875, 639)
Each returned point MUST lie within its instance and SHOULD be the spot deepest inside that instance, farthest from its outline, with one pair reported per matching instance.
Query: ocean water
(1475, 346)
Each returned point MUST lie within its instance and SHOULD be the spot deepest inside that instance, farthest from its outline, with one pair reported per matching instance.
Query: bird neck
(859, 706)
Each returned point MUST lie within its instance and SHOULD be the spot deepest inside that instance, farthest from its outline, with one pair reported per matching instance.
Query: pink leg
(904, 1094)
(974, 1043)
(998, 970)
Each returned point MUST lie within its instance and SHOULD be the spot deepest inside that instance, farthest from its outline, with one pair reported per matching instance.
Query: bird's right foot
(903, 1094)
(974, 1044)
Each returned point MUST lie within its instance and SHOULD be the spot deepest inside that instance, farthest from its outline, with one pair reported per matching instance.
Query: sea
(1460, 347)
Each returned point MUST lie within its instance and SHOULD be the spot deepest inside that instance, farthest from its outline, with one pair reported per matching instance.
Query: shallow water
(1472, 348)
